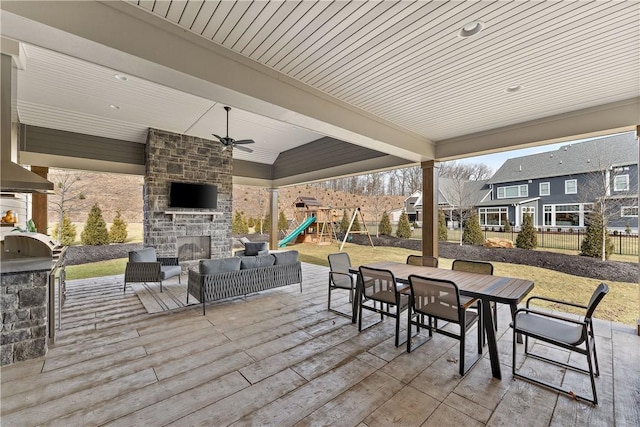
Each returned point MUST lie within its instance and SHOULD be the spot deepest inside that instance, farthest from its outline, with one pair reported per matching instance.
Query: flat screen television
(186, 195)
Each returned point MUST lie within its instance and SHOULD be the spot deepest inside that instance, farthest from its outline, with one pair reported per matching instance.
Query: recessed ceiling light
(513, 89)
(471, 29)
(121, 77)
(114, 106)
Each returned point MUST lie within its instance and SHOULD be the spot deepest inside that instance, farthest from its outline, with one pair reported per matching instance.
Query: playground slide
(299, 229)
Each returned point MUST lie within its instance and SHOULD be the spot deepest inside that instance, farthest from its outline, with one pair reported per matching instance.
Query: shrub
(118, 230)
(95, 230)
(627, 229)
(404, 229)
(443, 234)
(68, 231)
(384, 228)
(527, 238)
(239, 225)
(356, 224)
(592, 243)
(346, 220)
(507, 227)
(251, 222)
(472, 234)
(283, 222)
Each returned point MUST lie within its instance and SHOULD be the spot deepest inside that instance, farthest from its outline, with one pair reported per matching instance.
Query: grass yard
(620, 305)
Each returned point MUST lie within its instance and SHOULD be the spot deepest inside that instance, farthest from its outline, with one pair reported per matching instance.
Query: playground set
(316, 224)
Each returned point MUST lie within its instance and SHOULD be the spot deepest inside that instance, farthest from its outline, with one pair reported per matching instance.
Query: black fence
(624, 244)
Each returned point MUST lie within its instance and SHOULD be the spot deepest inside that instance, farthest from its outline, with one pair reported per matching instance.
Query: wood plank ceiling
(404, 61)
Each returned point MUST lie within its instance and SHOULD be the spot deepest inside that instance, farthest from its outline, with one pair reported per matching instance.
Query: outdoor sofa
(217, 279)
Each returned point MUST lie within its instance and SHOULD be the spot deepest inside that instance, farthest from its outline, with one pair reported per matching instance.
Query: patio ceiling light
(114, 106)
(513, 89)
(471, 29)
(121, 77)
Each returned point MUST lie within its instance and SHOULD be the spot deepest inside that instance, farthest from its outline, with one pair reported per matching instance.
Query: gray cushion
(167, 271)
(256, 261)
(255, 248)
(285, 258)
(143, 255)
(211, 266)
(244, 240)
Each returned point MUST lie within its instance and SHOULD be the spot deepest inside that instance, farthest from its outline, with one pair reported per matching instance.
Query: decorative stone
(32, 297)
(496, 242)
(30, 349)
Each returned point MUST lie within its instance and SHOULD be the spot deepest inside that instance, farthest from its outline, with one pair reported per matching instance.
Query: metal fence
(624, 244)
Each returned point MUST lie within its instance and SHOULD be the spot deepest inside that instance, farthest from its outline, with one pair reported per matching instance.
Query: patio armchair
(379, 286)
(441, 300)
(340, 278)
(563, 331)
(423, 260)
(145, 266)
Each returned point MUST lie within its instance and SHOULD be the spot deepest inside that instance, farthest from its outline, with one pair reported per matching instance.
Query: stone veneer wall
(182, 158)
(24, 315)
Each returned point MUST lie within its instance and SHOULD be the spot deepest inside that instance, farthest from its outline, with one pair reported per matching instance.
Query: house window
(493, 216)
(513, 191)
(571, 186)
(621, 183)
(548, 215)
(629, 211)
(545, 189)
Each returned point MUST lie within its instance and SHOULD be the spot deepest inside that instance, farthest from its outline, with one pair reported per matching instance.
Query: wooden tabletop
(506, 290)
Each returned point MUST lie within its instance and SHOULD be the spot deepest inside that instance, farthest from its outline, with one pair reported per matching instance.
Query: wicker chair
(561, 331)
(145, 266)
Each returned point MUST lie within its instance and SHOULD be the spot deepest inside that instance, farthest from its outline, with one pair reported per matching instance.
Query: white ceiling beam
(622, 116)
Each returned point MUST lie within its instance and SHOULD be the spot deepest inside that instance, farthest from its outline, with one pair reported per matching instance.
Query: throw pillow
(212, 266)
(256, 261)
(143, 255)
(285, 258)
(254, 248)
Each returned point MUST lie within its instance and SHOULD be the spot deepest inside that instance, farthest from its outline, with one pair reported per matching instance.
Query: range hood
(13, 177)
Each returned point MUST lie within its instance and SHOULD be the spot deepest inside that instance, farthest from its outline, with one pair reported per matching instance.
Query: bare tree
(65, 195)
(467, 171)
(609, 189)
(459, 192)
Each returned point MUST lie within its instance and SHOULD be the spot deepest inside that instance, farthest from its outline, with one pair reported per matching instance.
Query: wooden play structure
(312, 223)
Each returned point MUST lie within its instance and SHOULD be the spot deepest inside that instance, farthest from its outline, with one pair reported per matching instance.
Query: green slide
(299, 229)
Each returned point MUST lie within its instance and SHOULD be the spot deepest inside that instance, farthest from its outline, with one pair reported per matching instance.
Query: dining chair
(440, 300)
(340, 278)
(564, 331)
(423, 260)
(479, 267)
(379, 286)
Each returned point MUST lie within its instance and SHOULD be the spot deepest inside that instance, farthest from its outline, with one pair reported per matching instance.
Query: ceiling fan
(227, 142)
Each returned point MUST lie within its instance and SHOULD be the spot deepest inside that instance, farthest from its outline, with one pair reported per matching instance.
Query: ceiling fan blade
(245, 149)
(245, 141)
(217, 136)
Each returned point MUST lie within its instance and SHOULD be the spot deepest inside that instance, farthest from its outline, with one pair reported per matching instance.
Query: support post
(39, 202)
(430, 171)
(273, 225)
(638, 201)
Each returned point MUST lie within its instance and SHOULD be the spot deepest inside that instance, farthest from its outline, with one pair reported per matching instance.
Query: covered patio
(280, 358)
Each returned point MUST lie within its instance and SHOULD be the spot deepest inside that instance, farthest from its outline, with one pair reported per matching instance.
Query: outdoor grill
(24, 251)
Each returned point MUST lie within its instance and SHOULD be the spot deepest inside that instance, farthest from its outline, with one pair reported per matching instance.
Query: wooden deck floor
(280, 358)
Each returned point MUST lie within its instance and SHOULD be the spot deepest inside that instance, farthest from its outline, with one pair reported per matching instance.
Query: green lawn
(620, 305)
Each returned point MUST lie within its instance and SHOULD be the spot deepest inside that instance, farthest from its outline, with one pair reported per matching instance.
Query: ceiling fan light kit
(227, 141)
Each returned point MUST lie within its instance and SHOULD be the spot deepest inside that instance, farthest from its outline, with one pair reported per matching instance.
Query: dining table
(486, 288)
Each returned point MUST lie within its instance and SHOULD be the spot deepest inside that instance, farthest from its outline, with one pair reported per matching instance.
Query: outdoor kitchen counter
(20, 265)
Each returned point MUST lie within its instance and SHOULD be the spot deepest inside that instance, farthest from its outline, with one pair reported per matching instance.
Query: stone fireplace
(201, 233)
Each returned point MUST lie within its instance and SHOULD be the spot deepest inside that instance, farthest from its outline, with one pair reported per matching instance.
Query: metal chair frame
(465, 319)
(332, 281)
(586, 338)
(423, 260)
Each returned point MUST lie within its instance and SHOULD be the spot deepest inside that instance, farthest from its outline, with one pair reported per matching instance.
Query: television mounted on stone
(197, 196)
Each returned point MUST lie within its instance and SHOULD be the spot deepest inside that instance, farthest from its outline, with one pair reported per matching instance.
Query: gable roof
(571, 159)
(474, 192)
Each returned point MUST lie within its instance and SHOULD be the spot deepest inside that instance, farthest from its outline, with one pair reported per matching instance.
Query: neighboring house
(410, 206)
(559, 187)
(452, 194)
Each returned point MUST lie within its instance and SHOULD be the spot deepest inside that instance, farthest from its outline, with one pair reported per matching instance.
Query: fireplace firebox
(191, 248)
